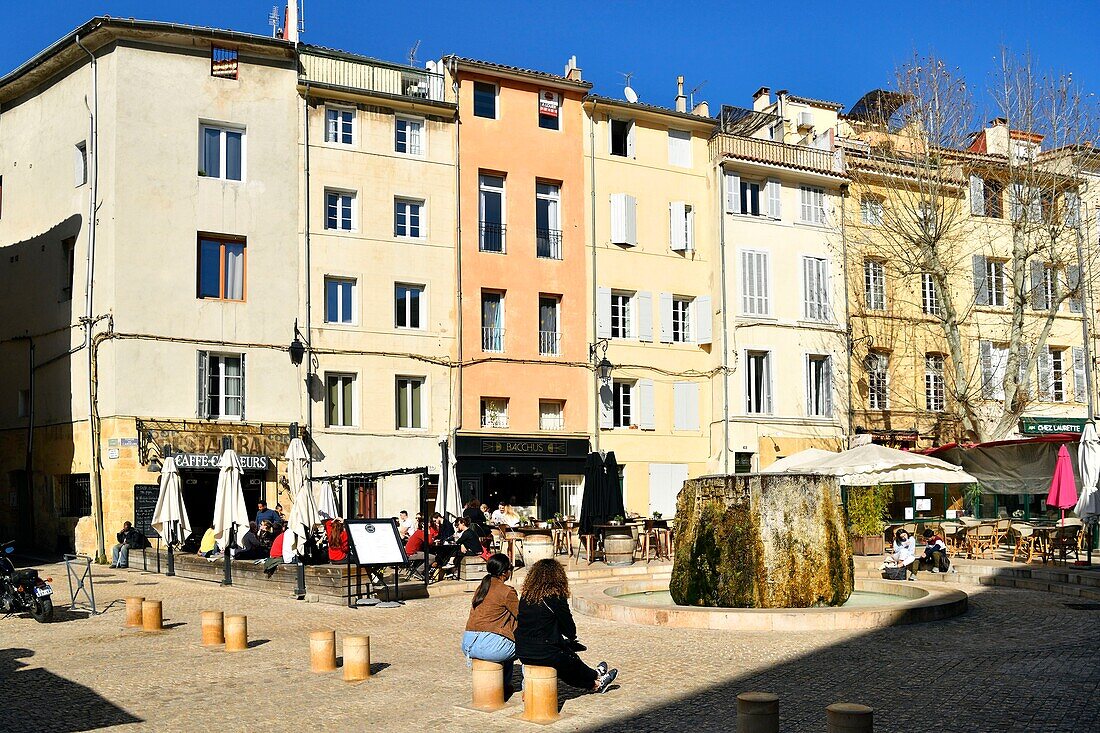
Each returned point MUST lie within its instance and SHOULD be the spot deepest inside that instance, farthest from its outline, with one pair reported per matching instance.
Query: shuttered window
(754, 283)
(819, 386)
(815, 288)
(624, 228)
(685, 406)
(679, 148)
(813, 205)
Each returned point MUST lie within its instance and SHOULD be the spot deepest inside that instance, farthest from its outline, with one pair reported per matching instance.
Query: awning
(1011, 466)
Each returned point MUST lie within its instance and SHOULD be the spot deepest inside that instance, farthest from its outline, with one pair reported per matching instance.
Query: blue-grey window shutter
(244, 381)
(1023, 381)
(981, 286)
(200, 386)
(1079, 388)
(986, 348)
(977, 195)
(1073, 282)
(1038, 293)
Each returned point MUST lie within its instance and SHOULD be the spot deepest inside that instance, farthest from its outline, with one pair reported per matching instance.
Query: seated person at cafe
(511, 518)
(485, 513)
(405, 525)
(444, 527)
(250, 546)
(417, 549)
(277, 545)
(935, 553)
(266, 533)
(262, 513)
(337, 541)
(473, 514)
(208, 547)
(497, 517)
(468, 543)
(904, 553)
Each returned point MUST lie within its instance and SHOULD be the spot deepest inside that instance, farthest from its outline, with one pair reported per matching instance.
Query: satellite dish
(631, 95)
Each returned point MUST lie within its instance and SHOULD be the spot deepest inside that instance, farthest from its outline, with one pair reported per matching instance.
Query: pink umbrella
(1063, 489)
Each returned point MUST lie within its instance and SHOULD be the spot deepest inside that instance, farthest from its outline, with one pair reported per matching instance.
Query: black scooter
(23, 590)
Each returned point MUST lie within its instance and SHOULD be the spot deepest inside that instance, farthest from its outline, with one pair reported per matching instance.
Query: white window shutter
(827, 386)
(702, 319)
(607, 405)
(977, 196)
(244, 381)
(1046, 376)
(775, 199)
(686, 405)
(644, 302)
(646, 414)
(677, 226)
(665, 303)
(1079, 387)
(733, 193)
(618, 218)
(603, 313)
(630, 206)
(201, 386)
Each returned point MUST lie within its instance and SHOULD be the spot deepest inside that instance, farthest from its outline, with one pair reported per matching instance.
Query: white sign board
(375, 542)
(908, 512)
(924, 505)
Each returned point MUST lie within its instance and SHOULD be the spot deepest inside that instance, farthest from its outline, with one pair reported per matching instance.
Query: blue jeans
(490, 647)
(120, 556)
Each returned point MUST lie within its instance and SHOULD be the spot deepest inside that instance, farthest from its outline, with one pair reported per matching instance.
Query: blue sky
(833, 51)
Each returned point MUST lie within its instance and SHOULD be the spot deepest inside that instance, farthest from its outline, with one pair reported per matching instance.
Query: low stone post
(356, 658)
(540, 694)
(236, 633)
(133, 611)
(757, 712)
(322, 651)
(151, 619)
(847, 717)
(488, 685)
(213, 628)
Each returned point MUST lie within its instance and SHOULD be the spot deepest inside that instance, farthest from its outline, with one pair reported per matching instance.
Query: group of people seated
(264, 539)
(534, 626)
(904, 555)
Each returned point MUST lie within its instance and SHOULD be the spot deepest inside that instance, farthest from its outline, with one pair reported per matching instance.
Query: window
(929, 296)
(874, 285)
(551, 415)
(408, 136)
(1044, 286)
(750, 198)
(1054, 380)
(622, 315)
(222, 153)
(622, 138)
(878, 395)
(80, 163)
(815, 289)
(995, 366)
(681, 233)
(75, 495)
(819, 386)
(548, 220)
(813, 204)
(68, 267)
(758, 383)
(549, 110)
(340, 210)
(223, 62)
(339, 300)
(933, 383)
(870, 210)
(221, 380)
(986, 197)
(754, 283)
(492, 321)
(679, 148)
(624, 223)
(491, 211)
(340, 400)
(408, 306)
(995, 282)
(339, 125)
(407, 217)
(221, 268)
(494, 412)
(410, 403)
(485, 100)
(927, 219)
(623, 394)
(681, 320)
(549, 325)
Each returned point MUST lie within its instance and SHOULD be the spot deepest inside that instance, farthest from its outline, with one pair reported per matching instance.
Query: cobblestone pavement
(1017, 661)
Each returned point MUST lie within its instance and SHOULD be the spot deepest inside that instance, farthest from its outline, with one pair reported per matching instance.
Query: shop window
(75, 495)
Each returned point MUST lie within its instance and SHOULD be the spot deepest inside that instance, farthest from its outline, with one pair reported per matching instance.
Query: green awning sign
(1051, 425)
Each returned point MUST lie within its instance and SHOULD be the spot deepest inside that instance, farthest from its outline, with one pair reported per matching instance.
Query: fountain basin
(904, 603)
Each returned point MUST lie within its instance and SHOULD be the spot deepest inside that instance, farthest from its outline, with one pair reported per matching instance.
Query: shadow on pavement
(37, 699)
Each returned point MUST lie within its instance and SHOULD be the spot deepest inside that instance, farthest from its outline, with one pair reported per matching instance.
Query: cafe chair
(1000, 531)
(979, 540)
(1026, 541)
(1064, 540)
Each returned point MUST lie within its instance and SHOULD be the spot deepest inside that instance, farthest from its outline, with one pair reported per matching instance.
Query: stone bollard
(151, 619)
(322, 651)
(489, 686)
(133, 611)
(356, 658)
(757, 712)
(540, 694)
(213, 628)
(236, 633)
(847, 717)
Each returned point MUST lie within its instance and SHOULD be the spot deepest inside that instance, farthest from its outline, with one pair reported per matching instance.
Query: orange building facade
(525, 387)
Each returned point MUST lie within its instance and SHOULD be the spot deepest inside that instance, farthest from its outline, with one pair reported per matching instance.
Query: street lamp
(297, 349)
(604, 369)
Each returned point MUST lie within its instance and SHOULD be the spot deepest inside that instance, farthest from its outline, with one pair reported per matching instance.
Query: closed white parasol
(229, 508)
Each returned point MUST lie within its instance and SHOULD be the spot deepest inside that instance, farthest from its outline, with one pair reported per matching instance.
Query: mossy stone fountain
(761, 541)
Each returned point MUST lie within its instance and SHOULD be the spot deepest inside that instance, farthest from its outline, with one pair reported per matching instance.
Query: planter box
(868, 544)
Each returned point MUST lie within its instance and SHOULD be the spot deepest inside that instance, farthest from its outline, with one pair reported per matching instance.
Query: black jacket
(544, 630)
(130, 537)
(470, 542)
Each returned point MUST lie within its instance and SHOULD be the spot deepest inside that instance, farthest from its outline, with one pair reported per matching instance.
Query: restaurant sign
(1051, 425)
(524, 447)
(212, 461)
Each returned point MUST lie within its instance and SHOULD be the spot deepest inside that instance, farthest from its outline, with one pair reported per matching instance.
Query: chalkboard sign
(145, 503)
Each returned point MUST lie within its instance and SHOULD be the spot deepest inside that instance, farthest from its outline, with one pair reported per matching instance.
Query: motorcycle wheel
(42, 610)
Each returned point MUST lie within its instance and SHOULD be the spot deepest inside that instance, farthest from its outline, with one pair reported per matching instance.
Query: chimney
(998, 122)
(681, 100)
(572, 71)
(702, 109)
(290, 30)
(761, 99)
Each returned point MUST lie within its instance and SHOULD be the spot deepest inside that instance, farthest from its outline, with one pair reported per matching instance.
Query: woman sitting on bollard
(546, 635)
(491, 629)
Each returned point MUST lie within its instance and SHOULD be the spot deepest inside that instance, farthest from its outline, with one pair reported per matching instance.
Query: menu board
(145, 503)
(375, 542)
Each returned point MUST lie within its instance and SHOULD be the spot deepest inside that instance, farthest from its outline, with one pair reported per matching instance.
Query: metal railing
(492, 339)
(552, 422)
(491, 237)
(768, 151)
(372, 76)
(549, 343)
(548, 243)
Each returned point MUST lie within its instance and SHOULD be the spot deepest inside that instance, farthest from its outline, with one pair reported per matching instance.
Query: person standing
(263, 513)
(491, 627)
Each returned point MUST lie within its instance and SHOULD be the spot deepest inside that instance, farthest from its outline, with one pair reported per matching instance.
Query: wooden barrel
(537, 547)
(618, 549)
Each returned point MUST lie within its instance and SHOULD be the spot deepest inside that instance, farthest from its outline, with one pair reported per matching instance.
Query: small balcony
(549, 343)
(370, 75)
(491, 237)
(492, 339)
(548, 244)
(800, 157)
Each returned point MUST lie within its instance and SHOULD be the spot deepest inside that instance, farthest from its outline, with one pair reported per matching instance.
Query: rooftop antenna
(691, 94)
(273, 21)
(630, 94)
(412, 53)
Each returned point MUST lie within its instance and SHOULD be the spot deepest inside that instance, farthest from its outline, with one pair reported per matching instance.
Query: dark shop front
(537, 474)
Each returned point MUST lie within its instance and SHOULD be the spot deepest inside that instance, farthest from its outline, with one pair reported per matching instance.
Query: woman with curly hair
(546, 635)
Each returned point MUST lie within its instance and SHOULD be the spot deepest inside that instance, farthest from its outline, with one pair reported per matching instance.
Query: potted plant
(617, 519)
(656, 515)
(867, 507)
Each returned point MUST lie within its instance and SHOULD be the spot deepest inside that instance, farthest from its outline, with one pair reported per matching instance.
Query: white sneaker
(604, 680)
(935, 570)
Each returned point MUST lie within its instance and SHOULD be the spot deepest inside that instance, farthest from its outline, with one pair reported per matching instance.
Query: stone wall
(761, 541)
